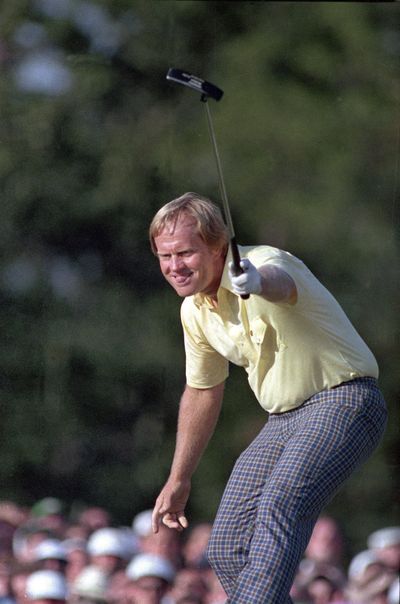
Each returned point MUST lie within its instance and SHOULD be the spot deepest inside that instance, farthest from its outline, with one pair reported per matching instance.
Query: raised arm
(198, 414)
(269, 281)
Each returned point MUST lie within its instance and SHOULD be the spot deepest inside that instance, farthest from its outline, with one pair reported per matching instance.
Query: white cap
(46, 584)
(141, 523)
(50, 548)
(92, 582)
(150, 565)
(360, 562)
(385, 537)
(107, 542)
(129, 541)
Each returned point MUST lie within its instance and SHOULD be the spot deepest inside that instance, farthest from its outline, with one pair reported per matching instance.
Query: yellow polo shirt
(289, 352)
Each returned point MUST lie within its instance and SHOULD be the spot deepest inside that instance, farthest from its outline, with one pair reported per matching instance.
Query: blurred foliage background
(93, 140)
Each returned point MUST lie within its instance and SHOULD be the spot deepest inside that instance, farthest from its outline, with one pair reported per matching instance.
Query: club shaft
(222, 187)
(225, 202)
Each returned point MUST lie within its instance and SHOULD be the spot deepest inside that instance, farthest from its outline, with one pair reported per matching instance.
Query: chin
(184, 292)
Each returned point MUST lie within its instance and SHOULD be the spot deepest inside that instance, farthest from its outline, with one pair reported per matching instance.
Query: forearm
(198, 414)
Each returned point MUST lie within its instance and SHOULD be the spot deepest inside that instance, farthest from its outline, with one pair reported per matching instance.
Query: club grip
(237, 269)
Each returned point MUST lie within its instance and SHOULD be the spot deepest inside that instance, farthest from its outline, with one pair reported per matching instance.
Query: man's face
(186, 261)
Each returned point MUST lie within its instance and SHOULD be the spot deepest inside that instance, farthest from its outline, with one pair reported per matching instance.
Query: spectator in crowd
(48, 514)
(94, 518)
(131, 565)
(195, 546)
(188, 583)
(90, 586)
(166, 543)
(18, 578)
(326, 543)
(369, 579)
(318, 582)
(321, 572)
(321, 590)
(386, 545)
(216, 593)
(46, 587)
(26, 539)
(141, 526)
(106, 550)
(77, 557)
(51, 554)
(149, 577)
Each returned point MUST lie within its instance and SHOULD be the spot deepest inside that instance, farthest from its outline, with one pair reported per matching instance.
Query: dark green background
(92, 363)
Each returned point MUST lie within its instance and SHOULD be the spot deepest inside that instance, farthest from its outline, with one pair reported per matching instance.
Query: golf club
(206, 90)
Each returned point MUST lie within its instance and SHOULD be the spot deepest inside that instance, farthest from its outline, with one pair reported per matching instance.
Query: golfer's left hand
(248, 282)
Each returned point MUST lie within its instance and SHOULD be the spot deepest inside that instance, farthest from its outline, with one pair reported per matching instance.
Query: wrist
(178, 478)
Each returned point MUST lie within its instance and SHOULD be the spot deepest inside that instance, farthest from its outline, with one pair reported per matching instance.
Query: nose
(176, 263)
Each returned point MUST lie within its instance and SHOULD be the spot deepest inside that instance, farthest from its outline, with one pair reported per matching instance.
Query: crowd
(47, 558)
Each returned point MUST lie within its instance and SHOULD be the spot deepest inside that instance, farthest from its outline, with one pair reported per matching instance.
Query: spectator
(322, 568)
(26, 538)
(107, 550)
(215, 592)
(46, 587)
(326, 543)
(51, 554)
(48, 514)
(386, 545)
(195, 547)
(94, 518)
(321, 590)
(166, 543)
(318, 582)
(188, 583)
(149, 577)
(13, 514)
(77, 557)
(141, 526)
(18, 578)
(369, 579)
(96, 571)
(90, 586)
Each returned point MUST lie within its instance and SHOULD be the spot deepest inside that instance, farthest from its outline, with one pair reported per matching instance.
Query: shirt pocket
(265, 339)
(258, 327)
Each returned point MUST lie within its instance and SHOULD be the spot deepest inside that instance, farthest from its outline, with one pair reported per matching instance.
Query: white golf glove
(248, 282)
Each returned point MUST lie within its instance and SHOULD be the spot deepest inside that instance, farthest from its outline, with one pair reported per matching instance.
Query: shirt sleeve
(205, 367)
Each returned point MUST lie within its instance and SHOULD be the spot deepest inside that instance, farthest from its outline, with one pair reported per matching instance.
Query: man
(46, 587)
(308, 368)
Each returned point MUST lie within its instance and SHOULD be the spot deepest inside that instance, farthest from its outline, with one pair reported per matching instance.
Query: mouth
(181, 280)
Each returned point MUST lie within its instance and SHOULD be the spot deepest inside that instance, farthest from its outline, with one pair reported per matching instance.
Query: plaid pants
(281, 483)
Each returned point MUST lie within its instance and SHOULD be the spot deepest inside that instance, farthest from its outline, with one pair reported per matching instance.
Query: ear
(219, 252)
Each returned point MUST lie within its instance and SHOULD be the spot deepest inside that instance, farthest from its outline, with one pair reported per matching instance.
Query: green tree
(93, 367)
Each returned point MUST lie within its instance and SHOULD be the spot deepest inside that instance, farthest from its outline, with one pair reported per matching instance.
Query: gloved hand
(248, 282)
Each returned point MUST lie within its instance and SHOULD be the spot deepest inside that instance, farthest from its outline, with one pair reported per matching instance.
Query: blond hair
(210, 224)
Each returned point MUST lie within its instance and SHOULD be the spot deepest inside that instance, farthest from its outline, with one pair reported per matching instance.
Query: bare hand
(170, 506)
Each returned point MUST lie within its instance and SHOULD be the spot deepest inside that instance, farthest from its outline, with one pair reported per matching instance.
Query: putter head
(206, 89)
